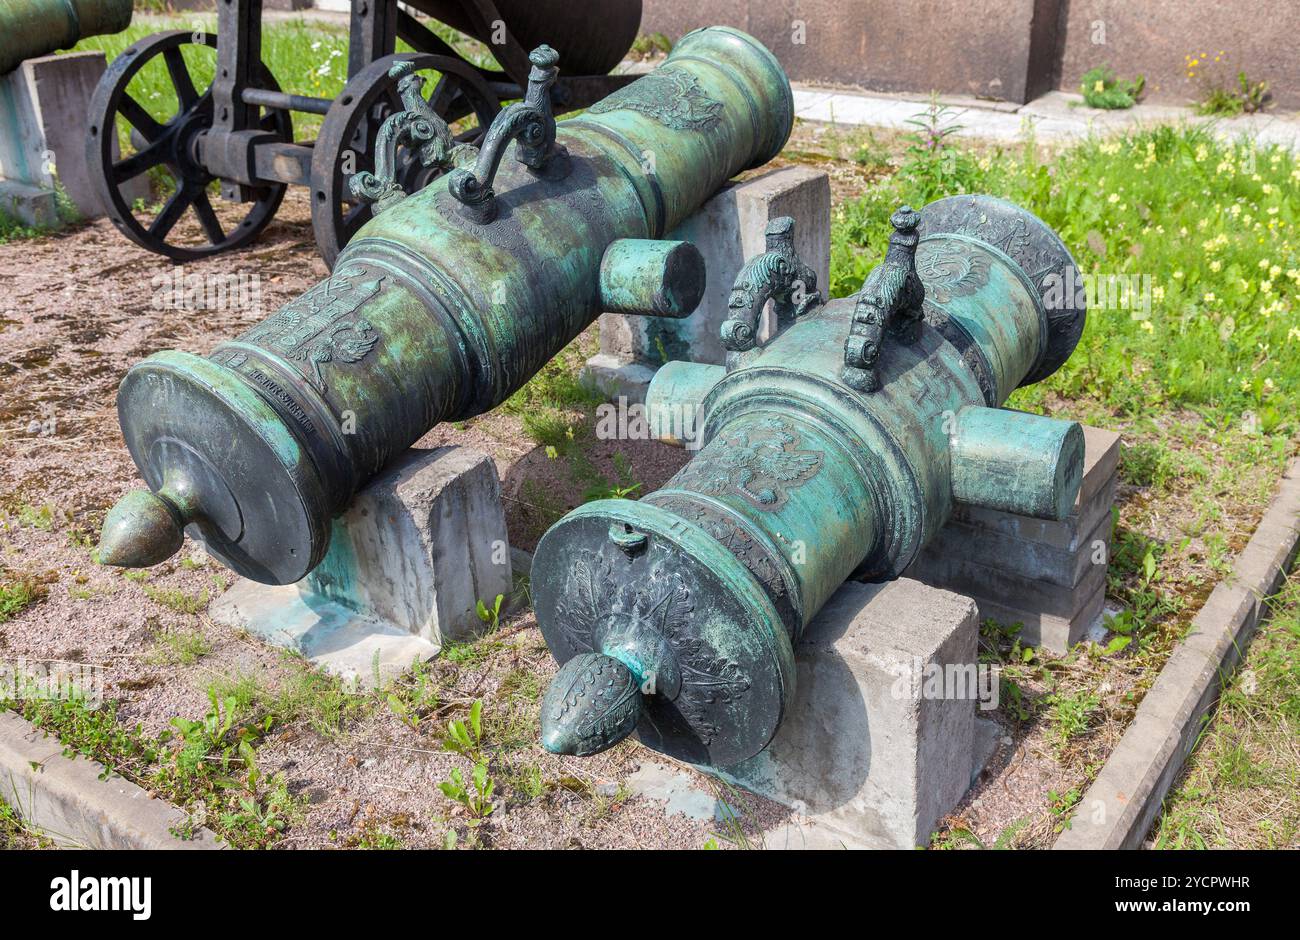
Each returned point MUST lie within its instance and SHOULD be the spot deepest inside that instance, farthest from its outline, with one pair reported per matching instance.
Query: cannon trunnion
(836, 450)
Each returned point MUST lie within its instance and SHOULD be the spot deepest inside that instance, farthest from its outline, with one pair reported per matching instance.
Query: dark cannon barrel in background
(590, 38)
(31, 28)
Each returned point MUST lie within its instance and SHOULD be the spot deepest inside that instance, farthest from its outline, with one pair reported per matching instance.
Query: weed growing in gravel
(177, 600)
(18, 591)
(1070, 715)
(414, 697)
(178, 646)
(491, 616)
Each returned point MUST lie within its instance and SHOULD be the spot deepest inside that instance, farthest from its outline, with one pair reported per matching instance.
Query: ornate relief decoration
(951, 269)
(671, 95)
(761, 461)
(322, 326)
(596, 603)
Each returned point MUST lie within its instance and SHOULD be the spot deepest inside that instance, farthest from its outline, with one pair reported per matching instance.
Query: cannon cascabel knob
(139, 531)
(593, 702)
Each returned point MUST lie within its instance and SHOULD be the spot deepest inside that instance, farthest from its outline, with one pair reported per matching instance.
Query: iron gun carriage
(238, 131)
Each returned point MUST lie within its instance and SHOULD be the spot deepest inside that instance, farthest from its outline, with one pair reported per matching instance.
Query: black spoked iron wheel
(347, 137)
(171, 145)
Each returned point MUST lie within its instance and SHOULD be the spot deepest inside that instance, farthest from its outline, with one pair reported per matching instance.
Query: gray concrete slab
(76, 803)
(44, 124)
(872, 753)
(1065, 567)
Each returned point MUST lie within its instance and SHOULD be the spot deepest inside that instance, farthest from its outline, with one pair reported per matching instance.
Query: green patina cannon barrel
(441, 307)
(834, 451)
(31, 28)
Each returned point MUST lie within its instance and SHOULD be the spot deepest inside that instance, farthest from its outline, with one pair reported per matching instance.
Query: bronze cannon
(442, 306)
(835, 450)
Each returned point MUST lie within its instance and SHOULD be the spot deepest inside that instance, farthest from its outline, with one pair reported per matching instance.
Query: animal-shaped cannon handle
(778, 275)
(531, 121)
(418, 126)
(892, 298)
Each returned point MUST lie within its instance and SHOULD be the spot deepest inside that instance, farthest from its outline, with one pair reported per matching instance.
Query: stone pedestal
(881, 740)
(43, 131)
(407, 564)
(728, 229)
(1049, 576)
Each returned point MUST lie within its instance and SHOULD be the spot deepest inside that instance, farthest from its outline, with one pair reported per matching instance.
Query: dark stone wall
(1007, 49)
(966, 47)
(1153, 37)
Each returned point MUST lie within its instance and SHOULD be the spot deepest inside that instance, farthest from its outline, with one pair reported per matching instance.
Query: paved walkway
(1056, 116)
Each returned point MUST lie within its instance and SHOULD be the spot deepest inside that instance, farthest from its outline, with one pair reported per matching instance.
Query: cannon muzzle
(443, 305)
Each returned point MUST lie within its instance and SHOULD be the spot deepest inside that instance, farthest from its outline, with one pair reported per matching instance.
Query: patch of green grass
(206, 766)
(1240, 788)
(178, 646)
(1070, 715)
(12, 229)
(301, 693)
(549, 426)
(36, 517)
(177, 600)
(18, 592)
(1147, 463)
(526, 781)
(1211, 222)
(556, 385)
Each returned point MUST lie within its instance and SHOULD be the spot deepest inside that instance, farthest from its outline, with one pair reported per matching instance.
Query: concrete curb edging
(1119, 808)
(66, 800)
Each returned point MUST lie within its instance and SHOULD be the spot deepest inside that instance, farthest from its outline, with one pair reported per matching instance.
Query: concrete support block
(29, 204)
(44, 124)
(875, 749)
(407, 563)
(617, 378)
(1048, 576)
(728, 229)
